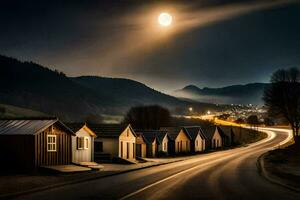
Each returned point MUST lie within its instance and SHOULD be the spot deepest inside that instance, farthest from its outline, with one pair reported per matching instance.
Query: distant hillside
(235, 94)
(32, 86)
(8, 111)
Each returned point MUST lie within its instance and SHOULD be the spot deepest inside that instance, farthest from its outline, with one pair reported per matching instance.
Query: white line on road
(270, 133)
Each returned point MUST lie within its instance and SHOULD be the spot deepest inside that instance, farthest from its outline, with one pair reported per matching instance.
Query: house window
(196, 143)
(127, 132)
(51, 143)
(80, 143)
(98, 146)
(165, 146)
(86, 143)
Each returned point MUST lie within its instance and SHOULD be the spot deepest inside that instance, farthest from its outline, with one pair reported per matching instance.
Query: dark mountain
(235, 94)
(32, 86)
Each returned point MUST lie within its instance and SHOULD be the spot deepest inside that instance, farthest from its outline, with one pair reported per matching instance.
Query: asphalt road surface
(230, 174)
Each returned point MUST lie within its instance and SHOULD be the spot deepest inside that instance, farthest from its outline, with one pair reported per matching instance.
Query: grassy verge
(285, 164)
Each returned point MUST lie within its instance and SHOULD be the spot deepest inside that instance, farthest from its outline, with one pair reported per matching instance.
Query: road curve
(230, 174)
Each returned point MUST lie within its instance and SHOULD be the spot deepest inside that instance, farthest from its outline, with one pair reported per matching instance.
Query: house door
(139, 150)
(128, 146)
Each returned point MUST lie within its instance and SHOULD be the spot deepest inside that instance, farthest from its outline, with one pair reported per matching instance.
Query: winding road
(230, 174)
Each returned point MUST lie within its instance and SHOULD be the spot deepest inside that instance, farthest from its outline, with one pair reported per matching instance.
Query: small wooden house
(114, 139)
(215, 137)
(197, 138)
(151, 141)
(163, 139)
(27, 144)
(228, 135)
(141, 146)
(82, 143)
(181, 140)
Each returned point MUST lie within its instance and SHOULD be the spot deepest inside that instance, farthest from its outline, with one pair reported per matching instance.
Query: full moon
(165, 19)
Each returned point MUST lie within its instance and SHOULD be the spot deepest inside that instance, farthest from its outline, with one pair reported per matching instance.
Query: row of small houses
(29, 144)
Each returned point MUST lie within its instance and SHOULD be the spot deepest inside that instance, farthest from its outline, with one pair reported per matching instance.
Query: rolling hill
(32, 86)
(235, 94)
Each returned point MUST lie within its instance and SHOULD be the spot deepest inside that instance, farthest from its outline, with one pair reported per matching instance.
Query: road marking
(172, 176)
(271, 135)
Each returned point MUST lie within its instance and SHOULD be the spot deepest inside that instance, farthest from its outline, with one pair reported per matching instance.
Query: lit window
(51, 143)
(80, 142)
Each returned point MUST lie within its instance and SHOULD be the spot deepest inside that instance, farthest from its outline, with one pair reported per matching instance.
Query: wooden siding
(82, 155)
(182, 143)
(63, 153)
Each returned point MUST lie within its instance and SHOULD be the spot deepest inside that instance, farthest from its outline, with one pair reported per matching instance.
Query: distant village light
(208, 112)
(190, 109)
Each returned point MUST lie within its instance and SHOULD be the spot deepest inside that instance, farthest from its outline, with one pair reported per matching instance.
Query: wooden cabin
(228, 135)
(180, 139)
(151, 141)
(114, 139)
(215, 137)
(197, 138)
(141, 146)
(82, 143)
(27, 144)
(163, 139)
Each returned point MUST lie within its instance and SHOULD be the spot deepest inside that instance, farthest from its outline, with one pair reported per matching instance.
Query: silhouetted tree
(268, 121)
(148, 117)
(282, 98)
(253, 120)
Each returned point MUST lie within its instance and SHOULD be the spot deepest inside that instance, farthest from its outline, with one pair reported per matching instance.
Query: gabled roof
(161, 135)
(208, 131)
(28, 127)
(173, 131)
(142, 136)
(222, 133)
(192, 131)
(75, 127)
(109, 130)
(149, 135)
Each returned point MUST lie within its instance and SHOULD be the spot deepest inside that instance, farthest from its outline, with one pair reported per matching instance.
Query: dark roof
(172, 131)
(141, 135)
(192, 131)
(161, 135)
(149, 135)
(28, 127)
(75, 126)
(221, 131)
(208, 131)
(109, 130)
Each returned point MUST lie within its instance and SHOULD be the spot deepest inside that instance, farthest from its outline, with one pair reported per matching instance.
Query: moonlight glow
(165, 19)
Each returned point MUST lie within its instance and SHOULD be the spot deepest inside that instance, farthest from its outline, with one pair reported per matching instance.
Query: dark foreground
(230, 174)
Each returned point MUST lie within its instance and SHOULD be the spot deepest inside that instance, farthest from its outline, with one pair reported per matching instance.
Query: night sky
(211, 43)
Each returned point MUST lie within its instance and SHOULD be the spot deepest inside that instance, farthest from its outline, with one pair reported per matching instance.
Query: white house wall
(82, 155)
(218, 140)
(125, 138)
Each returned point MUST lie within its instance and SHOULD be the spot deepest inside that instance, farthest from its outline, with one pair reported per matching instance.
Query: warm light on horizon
(165, 19)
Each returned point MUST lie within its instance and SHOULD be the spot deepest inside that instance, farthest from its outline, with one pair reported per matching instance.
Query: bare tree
(282, 97)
